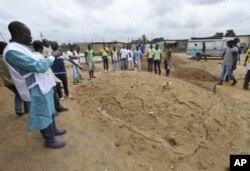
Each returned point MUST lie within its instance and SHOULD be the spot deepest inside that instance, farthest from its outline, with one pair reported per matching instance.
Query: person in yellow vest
(105, 53)
(247, 77)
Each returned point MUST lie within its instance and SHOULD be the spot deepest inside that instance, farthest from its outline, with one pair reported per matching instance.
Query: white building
(244, 42)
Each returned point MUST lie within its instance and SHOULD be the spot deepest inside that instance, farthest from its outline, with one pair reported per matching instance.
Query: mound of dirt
(188, 73)
(177, 127)
(177, 61)
(131, 121)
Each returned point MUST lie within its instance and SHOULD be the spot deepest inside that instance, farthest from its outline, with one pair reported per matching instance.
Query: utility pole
(41, 35)
(192, 31)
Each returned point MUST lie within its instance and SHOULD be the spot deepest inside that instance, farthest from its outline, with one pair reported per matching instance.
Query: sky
(69, 21)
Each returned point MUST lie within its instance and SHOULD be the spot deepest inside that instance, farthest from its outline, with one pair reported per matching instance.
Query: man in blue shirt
(138, 58)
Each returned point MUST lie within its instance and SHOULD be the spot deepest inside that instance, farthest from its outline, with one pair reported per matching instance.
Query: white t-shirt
(115, 56)
(123, 53)
(130, 55)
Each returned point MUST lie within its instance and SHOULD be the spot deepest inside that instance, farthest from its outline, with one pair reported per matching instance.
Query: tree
(219, 34)
(230, 33)
(142, 39)
(155, 40)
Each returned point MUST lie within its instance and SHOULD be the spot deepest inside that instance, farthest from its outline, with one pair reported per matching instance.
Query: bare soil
(128, 121)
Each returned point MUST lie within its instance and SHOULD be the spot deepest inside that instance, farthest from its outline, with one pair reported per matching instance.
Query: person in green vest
(150, 58)
(89, 55)
(157, 55)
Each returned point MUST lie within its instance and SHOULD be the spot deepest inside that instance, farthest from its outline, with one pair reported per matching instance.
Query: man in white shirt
(123, 53)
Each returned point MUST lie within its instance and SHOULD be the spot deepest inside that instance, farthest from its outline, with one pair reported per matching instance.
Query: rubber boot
(49, 136)
(58, 131)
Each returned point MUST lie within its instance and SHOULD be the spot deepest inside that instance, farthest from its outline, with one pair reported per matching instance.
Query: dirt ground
(128, 121)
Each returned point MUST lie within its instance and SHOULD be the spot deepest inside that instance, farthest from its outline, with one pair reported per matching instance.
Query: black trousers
(247, 80)
(64, 79)
(150, 64)
(56, 99)
(157, 65)
(167, 67)
(105, 63)
(18, 101)
(203, 54)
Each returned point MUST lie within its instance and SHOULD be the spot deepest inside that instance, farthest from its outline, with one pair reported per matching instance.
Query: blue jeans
(19, 103)
(124, 65)
(115, 65)
(226, 69)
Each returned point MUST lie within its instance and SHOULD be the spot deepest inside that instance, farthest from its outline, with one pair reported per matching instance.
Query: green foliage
(155, 40)
(230, 33)
(142, 39)
(219, 34)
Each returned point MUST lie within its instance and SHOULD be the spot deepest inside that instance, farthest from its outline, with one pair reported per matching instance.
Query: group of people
(127, 59)
(196, 54)
(230, 57)
(34, 71)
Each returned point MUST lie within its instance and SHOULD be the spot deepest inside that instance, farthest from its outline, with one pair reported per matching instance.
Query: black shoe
(234, 82)
(19, 114)
(62, 109)
(219, 83)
